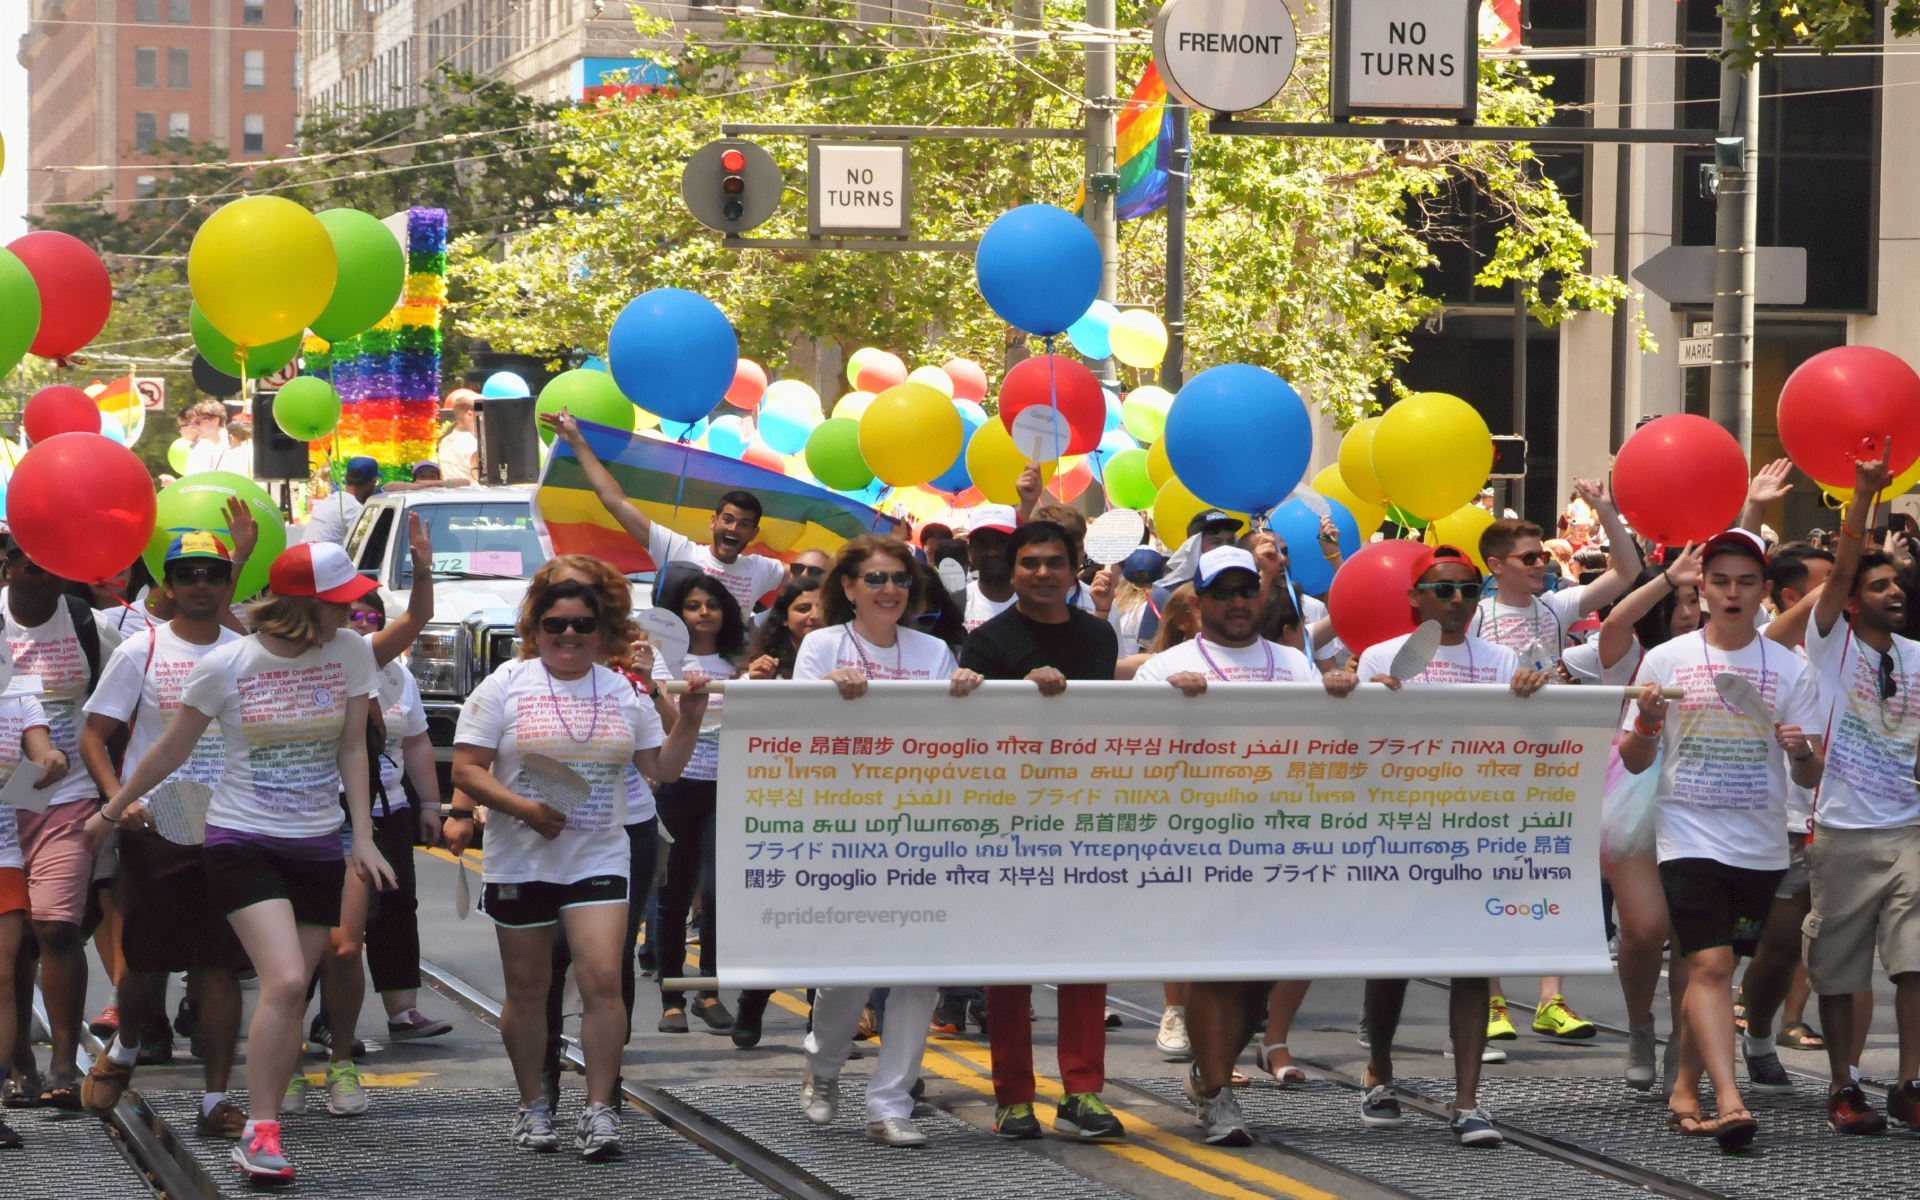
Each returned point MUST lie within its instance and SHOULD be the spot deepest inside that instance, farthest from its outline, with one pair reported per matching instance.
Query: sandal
(20, 1091)
(1286, 1072)
(63, 1092)
(1740, 1011)
(1800, 1036)
(1688, 1124)
(1735, 1130)
(1238, 1079)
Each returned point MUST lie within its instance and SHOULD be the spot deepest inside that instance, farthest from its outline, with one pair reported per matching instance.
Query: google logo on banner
(1539, 910)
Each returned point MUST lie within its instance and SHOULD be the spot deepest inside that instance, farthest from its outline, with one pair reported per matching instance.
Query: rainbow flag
(1143, 147)
(680, 487)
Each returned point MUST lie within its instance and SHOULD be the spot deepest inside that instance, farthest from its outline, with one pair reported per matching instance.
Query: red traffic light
(733, 185)
(733, 160)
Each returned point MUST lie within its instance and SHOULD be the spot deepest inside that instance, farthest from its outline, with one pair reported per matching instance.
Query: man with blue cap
(334, 517)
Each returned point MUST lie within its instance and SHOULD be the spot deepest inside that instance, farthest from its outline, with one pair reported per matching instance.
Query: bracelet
(1851, 533)
(1640, 728)
(1807, 757)
(1671, 585)
(459, 814)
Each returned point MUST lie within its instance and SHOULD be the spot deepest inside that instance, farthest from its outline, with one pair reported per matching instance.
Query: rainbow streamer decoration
(389, 377)
(1143, 146)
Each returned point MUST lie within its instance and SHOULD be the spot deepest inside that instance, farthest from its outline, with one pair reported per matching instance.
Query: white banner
(1125, 832)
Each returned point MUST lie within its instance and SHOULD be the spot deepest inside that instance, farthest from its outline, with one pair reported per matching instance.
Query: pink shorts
(59, 865)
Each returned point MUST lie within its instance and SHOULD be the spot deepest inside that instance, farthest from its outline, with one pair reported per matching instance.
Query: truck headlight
(435, 660)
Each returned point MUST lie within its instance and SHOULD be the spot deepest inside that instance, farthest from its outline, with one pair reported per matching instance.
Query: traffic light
(731, 185)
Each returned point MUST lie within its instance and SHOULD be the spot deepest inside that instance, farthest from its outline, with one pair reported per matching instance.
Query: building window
(146, 130)
(180, 12)
(146, 10)
(253, 134)
(179, 127)
(253, 12)
(142, 184)
(146, 67)
(179, 67)
(253, 73)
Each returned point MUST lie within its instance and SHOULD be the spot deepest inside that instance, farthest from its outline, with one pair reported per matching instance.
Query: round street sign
(1224, 55)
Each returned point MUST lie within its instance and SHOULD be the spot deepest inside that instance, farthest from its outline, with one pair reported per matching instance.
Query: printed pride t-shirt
(17, 715)
(282, 720)
(1262, 662)
(52, 652)
(1723, 777)
(1472, 661)
(705, 763)
(130, 684)
(1546, 620)
(1871, 741)
(405, 715)
(746, 578)
(914, 655)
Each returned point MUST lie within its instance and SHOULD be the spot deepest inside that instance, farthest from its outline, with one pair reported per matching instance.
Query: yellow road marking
(471, 860)
(392, 1079)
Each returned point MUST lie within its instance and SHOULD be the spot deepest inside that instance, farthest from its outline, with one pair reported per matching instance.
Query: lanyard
(1200, 644)
(561, 713)
(871, 668)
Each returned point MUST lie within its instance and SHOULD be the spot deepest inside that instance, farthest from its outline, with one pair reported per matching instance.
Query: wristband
(1851, 533)
(459, 814)
(1640, 728)
(1807, 757)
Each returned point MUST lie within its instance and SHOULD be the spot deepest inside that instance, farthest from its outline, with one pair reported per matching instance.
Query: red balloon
(749, 384)
(762, 455)
(1681, 478)
(1368, 600)
(1841, 397)
(1039, 379)
(81, 506)
(881, 372)
(59, 409)
(75, 292)
(969, 379)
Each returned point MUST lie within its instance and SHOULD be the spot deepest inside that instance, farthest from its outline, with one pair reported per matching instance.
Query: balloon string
(1053, 398)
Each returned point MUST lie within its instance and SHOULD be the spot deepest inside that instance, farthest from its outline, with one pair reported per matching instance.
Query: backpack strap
(88, 633)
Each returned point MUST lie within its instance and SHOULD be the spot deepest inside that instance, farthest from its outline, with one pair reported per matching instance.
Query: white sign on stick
(1405, 58)
(859, 187)
(1224, 55)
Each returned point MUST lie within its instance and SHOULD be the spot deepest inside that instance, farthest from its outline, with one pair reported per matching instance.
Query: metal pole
(1026, 15)
(1622, 243)
(1736, 229)
(1173, 366)
(1102, 170)
(1520, 380)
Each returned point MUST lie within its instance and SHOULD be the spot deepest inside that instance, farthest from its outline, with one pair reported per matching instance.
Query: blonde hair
(295, 618)
(1180, 606)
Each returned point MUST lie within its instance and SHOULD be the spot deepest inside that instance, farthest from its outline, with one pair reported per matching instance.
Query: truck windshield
(475, 541)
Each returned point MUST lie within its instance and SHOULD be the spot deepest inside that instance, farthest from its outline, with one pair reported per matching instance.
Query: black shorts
(168, 920)
(1713, 904)
(241, 874)
(537, 903)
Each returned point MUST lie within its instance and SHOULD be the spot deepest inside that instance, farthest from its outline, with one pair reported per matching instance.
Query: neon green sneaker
(1499, 1027)
(1556, 1020)
(1016, 1122)
(295, 1100)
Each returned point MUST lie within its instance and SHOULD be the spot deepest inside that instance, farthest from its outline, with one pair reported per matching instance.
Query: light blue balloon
(727, 435)
(971, 414)
(1113, 409)
(955, 479)
(1112, 442)
(1089, 333)
(1039, 268)
(683, 433)
(786, 422)
(673, 352)
(504, 384)
(593, 363)
(1239, 437)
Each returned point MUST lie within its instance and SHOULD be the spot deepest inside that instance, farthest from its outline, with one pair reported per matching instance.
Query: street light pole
(1180, 164)
(1736, 230)
(1103, 178)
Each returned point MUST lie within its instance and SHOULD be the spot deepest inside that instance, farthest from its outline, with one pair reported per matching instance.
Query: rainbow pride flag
(680, 487)
(1143, 147)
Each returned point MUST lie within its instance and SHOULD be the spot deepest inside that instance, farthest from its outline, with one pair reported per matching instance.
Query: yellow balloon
(910, 434)
(1159, 470)
(1138, 338)
(1144, 412)
(1462, 528)
(1366, 515)
(1431, 454)
(1899, 485)
(1174, 507)
(262, 268)
(995, 463)
(642, 419)
(934, 378)
(1356, 463)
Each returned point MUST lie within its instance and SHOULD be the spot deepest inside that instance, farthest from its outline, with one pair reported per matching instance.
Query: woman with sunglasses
(545, 742)
(871, 593)
(796, 612)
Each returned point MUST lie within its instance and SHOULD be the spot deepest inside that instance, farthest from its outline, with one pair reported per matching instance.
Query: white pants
(836, 1018)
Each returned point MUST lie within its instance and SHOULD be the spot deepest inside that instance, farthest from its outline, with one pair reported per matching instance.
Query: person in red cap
(292, 701)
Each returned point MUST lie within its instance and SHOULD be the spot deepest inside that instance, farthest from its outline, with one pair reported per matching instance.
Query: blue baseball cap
(1144, 561)
(362, 468)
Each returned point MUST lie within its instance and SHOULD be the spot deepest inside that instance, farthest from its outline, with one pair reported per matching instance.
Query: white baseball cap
(1223, 558)
(993, 516)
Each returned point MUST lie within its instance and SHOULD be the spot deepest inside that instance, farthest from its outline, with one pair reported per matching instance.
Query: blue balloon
(1039, 268)
(680, 432)
(1296, 525)
(1089, 333)
(727, 436)
(673, 353)
(503, 384)
(1112, 442)
(955, 478)
(1239, 437)
(785, 423)
(971, 414)
(1343, 520)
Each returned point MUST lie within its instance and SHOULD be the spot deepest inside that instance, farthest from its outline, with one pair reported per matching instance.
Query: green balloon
(1404, 519)
(307, 408)
(589, 396)
(177, 454)
(19, 310)
(1128, 485)
(224, 356)
(833, 455)
(373, 271)
(200, 502)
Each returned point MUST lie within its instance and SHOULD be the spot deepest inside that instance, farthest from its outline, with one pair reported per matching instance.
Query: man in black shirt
(1047, 640)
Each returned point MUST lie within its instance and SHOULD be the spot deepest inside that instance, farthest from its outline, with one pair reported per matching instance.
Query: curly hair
(610, 597)
(846, 566)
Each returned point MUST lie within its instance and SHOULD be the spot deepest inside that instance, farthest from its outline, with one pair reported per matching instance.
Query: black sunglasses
(1888, 684)
(879, 579)
(802, 570)
(1230, 591)
(1530, 558)
(216, 575)
(1445, 590)
(559, 625)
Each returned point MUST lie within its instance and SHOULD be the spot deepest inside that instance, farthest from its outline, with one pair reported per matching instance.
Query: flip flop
(1689, 1124)
(1735, 1130)
(1800, 1036)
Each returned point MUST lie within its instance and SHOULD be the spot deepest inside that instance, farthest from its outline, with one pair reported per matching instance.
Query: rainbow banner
(1143, 147)
(680, 487)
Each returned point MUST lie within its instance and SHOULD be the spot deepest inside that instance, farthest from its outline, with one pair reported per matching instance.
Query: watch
(458, 814)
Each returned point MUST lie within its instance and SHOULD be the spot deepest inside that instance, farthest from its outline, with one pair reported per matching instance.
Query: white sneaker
(533, 1128)
(1172, 1039)
(346, 1096)
(1221, 1121)
(894, 1131)
(295, 1101)
(598, 1137)
(819, 1098)
(1488, 1054)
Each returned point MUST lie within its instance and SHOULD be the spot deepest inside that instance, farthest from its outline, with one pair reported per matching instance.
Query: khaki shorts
(1866, 893)
(1795, 880)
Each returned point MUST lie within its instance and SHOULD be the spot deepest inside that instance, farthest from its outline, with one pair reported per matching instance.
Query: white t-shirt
(1871, 742)
(594, 725)
(914, 655)
(1261, 662)
(205, 454)
(456, 455)
(1126, 627)
(238, 458)
(332, 518)
(1546, 621)
(1723, 779)
(129, 683)
(705, 763)
(1472, 661)
(127, 620)
(282, 719)
(52, 652)
(17, 715)
(980, 610)
(405, 716)
(746, 578)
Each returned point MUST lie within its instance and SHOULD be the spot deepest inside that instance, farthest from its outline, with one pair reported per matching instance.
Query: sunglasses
(559, 625)
(364, 618)
(1230, 591)
(879, 579)
(193, 575)
(1445, 590)
(1888, 684)
(803, 571)
(1529, 559)
(927, 620)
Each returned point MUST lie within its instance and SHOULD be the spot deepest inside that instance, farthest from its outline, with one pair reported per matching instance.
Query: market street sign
(1405, 58)
(1224, 55)
(858, 187)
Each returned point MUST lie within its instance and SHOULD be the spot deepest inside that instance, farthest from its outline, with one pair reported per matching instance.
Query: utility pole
(1180, 165)
(1736, 230)
(1622, 243)
(1103, 177)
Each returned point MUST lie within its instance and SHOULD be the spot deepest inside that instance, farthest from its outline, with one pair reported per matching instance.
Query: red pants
(1083, 1040)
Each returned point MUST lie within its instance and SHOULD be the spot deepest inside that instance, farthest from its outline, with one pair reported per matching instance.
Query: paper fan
(1114, 534)
(667, 634)
(179, 811)
(462, 891)
(554, 783)
(1416, 652)
(1741, 693)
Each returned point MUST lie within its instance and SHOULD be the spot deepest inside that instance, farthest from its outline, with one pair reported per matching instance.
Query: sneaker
(1381, 1108)
(1016, 1122)
(107, 1023)
(1112, 1019)
(1221, 1121)
(412, 1025)
(105, 1083)
(1473, 1127)
(819, 1098)
(345, 1095)
(320, 1040)
(224, 1120)
(533, 1128)
(747, 1024)
(1172, 1040)
(1640, 1043)
(186, 1020)
(599, 1135)
(1903, 1103)
(895, 1131)
(295, 1101)
(950, 1017)
(1488, 1054)
(259, 1157)
(1556, 1020)
(1764, 1072)
(977, 1013)
(10, 1140)
(1085, 1116)
(1499, 1025)
(1190, 1087)
(1848, 1112)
